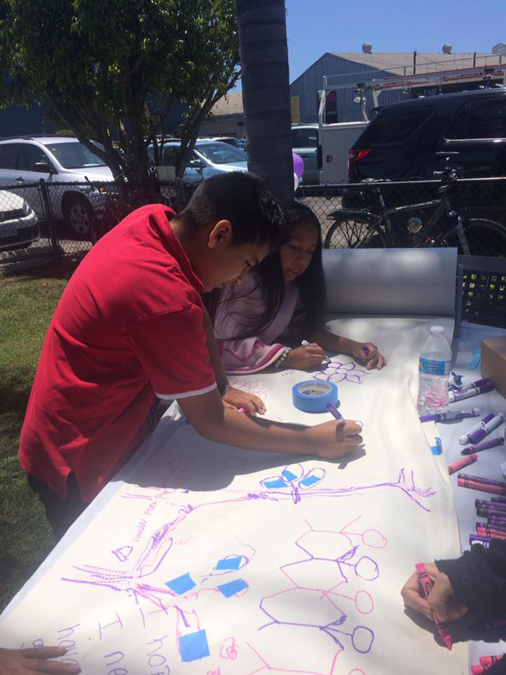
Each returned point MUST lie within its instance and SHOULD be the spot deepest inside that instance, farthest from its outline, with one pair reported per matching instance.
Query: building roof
(426, 62)
(230, 104)
(396, 63)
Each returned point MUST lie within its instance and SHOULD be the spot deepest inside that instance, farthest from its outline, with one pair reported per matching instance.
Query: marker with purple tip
(335, 413)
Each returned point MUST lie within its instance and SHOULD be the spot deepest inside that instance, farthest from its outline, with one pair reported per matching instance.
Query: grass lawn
(27, 302)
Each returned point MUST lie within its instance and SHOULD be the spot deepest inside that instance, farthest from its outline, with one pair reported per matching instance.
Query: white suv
(57, 159)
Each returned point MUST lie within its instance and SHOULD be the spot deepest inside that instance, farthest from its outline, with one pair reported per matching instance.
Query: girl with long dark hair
(280, 306)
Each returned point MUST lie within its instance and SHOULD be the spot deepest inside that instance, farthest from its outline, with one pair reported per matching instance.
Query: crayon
(499, 500)
(490, 504)
(427, 584)
(489, 532)
(490, 660)
(492, 443)
(480, 479)
(470, 459)
(498, 528)
(463, 482)
(496, 520)
(490, 510)
(476, 539)
(478, 670)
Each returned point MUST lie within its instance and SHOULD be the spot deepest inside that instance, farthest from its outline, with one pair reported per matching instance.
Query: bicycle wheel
(354, 230)
(485, 237)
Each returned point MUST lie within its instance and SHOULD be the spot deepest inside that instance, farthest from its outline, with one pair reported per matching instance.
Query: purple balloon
(298, 165)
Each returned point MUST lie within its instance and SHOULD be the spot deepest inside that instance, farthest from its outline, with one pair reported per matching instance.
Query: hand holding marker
(305, 343)
(426, 583)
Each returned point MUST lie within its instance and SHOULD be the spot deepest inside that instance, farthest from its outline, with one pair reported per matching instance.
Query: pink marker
(427, 584)
(456, 466)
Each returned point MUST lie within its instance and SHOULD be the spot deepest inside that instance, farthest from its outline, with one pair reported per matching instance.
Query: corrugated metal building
(345, 71)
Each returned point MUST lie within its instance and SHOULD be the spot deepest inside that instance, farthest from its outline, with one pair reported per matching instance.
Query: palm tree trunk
(266, 92)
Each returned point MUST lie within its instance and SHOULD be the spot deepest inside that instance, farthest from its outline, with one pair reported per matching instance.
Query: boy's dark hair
(244, 200)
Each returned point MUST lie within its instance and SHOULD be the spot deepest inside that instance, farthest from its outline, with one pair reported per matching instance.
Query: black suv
(413, 139)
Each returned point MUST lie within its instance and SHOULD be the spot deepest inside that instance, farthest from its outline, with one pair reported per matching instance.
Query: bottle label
(434, 367)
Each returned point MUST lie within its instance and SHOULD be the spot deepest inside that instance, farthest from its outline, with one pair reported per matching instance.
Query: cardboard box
(493, 362)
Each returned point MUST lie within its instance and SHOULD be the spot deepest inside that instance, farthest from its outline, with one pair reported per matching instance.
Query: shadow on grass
(62, 269)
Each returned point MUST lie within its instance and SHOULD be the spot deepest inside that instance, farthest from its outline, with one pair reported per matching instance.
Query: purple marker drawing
(338, 371)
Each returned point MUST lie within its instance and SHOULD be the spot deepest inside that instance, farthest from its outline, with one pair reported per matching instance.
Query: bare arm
(217, 423)
(234, 397)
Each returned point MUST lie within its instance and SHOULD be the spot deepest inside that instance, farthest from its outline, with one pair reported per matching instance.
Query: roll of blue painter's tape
(313, 396)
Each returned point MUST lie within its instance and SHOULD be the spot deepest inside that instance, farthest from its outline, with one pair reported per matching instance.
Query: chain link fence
(45, 221)
(413, 213)
(42, 221)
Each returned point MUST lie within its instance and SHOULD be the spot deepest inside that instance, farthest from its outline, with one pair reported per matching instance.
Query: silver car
(19, 226)
(57, 159)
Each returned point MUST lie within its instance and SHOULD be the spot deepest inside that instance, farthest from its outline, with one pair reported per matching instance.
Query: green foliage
(111, 68)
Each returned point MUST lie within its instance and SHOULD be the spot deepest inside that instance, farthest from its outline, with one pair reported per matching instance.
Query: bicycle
(446, 226)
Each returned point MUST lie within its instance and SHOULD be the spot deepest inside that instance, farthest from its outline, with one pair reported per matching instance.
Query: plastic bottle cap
(437, 330)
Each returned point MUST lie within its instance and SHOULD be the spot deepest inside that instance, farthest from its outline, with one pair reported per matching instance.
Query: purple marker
(473, 391)
(335, 413)
(479, 479)
(492, 443)
(480, 430)
(366, 350)
(451, 415)
(468, 387)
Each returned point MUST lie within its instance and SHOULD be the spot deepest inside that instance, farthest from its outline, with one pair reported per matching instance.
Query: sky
(318, 26)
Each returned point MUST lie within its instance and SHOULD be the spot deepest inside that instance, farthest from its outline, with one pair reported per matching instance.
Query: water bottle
(434, 370)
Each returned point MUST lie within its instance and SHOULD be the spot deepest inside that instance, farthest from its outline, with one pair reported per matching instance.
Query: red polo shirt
(128, 324)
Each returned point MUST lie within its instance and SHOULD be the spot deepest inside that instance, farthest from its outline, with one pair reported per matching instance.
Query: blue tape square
(289, 475)
(229, 563)
(310, 480)
(194, 646)
(232, 587)
(273, 484)
(181, 584)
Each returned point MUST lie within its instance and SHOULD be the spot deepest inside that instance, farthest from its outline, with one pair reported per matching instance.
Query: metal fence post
(48, 212)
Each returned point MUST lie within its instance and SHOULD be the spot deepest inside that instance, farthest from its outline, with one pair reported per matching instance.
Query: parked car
(57, 159)
(209, 158)
(305, 144)
(19, 226)
(231, 140)
(412, 139)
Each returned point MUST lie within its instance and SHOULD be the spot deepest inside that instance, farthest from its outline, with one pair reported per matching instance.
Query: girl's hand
(26, 661)
(333, 440)
(440, 600)
(367, 354)
(305, 358)
(235, 398)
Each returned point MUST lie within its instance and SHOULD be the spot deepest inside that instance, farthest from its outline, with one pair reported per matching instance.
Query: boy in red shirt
(131, 324)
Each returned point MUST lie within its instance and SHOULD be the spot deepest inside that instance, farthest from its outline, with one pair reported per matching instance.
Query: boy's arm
(231, 395)
(365, 352)
(213, 421)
